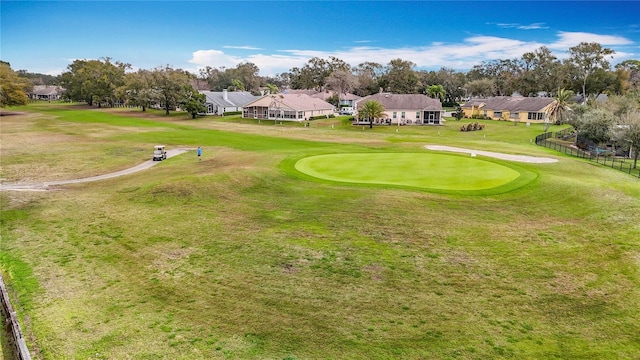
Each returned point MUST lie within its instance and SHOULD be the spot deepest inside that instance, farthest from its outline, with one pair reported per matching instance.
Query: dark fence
(12, 327)
(622, 164)
(564, 133)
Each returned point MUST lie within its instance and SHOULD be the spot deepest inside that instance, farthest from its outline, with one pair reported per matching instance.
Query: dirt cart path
(43, 186)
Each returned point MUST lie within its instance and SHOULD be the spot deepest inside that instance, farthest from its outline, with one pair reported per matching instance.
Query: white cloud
(245, 47)
(621, 56)
(214, 58)
(55, 72)
(532, 26)
(276, 63)
(570, 39)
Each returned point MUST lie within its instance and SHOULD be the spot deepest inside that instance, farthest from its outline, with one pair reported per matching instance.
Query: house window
(535, 116)
(497, 114)
(417, 114)
(402, 115)
(395, 115)
(515, 115)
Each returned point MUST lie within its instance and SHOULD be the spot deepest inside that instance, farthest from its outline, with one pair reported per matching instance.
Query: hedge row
(232, 113)
(318, 117)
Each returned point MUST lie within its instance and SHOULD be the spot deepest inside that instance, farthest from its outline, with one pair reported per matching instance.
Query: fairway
(293, 242)
(428, 171)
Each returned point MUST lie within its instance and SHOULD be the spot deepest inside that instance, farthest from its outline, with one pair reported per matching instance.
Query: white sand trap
(503, 156)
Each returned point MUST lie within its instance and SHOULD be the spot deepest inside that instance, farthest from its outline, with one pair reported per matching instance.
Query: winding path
(43, 186)
(503, 156)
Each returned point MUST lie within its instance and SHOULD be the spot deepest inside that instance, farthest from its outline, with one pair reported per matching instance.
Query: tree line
(586, 71)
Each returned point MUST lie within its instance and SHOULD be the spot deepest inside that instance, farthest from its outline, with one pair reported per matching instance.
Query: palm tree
(560, 106)
(237, 84)
(436, 92)
(371, 110)
(273, 89)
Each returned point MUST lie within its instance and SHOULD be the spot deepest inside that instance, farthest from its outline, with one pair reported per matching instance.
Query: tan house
(516, 108)
(407, 109)
(46, 92)
(286, 107)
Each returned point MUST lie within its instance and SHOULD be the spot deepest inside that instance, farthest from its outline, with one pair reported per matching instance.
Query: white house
(287, 107)
(406, 109)
(219, 102)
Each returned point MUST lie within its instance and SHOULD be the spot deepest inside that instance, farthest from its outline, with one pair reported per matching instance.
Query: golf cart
(159, 153)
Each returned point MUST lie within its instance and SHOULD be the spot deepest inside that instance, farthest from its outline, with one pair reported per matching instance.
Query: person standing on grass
(199, 153)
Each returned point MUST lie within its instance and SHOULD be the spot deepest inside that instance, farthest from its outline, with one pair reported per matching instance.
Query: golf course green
(416, 170)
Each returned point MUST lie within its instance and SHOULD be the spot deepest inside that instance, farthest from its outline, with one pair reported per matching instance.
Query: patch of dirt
(569, 284)
(376, 271)
(168, 261)
(9, 113)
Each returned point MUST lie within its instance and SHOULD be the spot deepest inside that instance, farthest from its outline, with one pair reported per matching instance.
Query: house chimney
(224, 95)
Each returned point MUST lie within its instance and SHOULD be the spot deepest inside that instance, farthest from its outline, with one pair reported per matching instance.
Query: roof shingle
(298, 102)
(233, 98)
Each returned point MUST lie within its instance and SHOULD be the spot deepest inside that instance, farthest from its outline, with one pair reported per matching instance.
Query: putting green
(428, 171)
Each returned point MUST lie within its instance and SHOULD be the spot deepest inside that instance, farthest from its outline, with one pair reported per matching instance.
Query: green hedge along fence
(622, 164)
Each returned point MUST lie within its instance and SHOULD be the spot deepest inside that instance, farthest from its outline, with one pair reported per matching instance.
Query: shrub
(227, 113)
(322, 117)
(471, 127)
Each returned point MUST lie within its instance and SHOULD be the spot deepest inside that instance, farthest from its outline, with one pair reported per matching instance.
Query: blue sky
(46, 36)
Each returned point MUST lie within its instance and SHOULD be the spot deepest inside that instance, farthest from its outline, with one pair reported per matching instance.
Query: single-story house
(46, 92)
(403, 109)
(512, 108)
(219, 102)
(287, 107)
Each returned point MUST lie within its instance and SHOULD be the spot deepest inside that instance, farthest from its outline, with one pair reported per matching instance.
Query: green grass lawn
(434, 172)
(241, 256)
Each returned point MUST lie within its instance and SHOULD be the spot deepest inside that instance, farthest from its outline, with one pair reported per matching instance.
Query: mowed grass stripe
(429, 171)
